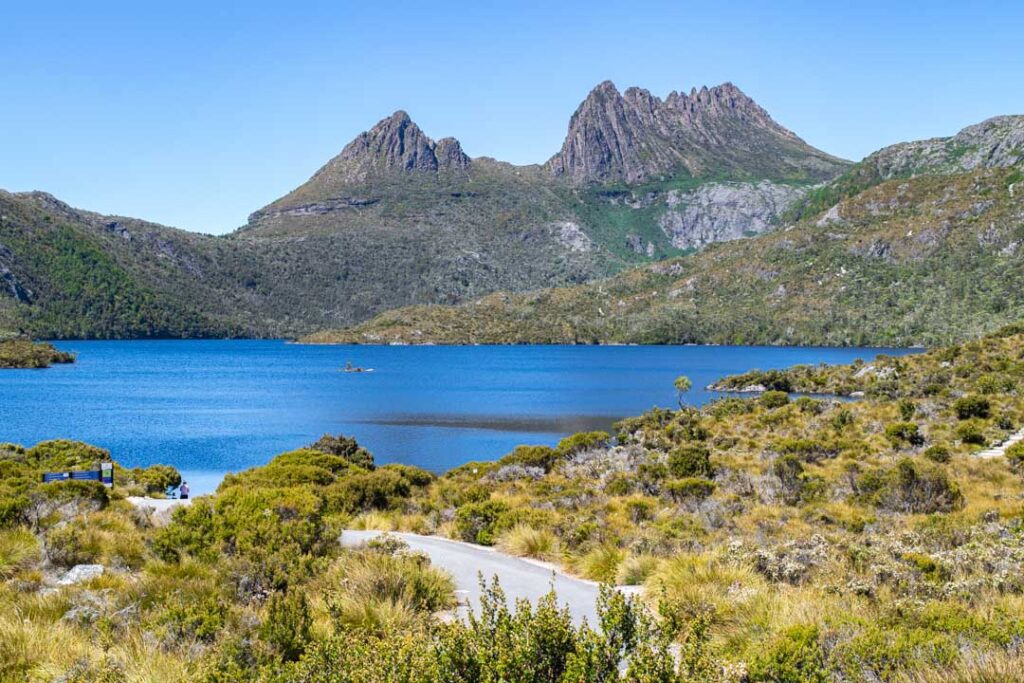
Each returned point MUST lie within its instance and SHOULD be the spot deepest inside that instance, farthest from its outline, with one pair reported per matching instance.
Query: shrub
(790, 473)
(156, 478)
(689, 488)
(1015, 456)
(480, 522)
(972, 406)
(808, 450)
(938, 453)
(690, 460)
(906, 408)
(581, 442)
(793, 656)
(971, 432)
(416, 476)
(378, 591)
(286, 626)
(532, 456)
(911, 487)
(344, 447)
(381, 489)
(63, 454)
(904, 433)
(842, 419)
(191, 532)
(773, 399)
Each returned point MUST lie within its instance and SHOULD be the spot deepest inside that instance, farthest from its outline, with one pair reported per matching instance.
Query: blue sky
(195, 114)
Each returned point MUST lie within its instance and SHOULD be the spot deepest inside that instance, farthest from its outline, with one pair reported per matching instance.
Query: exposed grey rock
(394, 144)
(718, 212)
(449, 154)
(571, 236)
(9, 283)
(634, 137)
(80, 573)
(994, 143)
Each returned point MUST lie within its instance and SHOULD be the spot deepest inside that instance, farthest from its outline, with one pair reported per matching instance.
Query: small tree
(682, 385)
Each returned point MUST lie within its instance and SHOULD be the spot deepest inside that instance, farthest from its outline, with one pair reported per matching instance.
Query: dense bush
(381, 489)
(972, 432)
(690, 460)
(482, 522)
(581, 441)
(689, 488)
(972, 406)
(911, 487)
(773, 399)
(938, 453)
(904, 433)
(344, 447)
(1015, 456)
(532, 456)
(794, 656)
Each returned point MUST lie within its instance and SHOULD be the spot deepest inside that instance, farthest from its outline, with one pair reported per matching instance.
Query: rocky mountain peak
(636, 136)
(394, 145)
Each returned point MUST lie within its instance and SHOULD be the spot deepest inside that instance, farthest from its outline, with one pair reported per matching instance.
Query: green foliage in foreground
(771, 539)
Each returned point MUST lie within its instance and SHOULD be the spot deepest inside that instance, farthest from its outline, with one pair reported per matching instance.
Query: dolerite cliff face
(720, 212)
(635, 137)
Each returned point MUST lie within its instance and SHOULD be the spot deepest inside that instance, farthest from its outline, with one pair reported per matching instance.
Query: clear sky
(194, 114)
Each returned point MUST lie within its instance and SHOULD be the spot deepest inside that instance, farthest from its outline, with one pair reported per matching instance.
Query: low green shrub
(689, 489)
(903, 434)
(793, 656)
(482, 522)
(911, 487)
(344, 447)
(773, 399)
(972, 406)
(972, 432)
(690, 460)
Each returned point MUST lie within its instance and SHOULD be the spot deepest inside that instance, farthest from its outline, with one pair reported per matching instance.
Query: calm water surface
(208, 407)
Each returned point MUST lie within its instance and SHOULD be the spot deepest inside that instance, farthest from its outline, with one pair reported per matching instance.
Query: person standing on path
(183, 490)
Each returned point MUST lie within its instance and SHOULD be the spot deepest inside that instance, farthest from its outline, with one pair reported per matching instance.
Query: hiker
(183, 490)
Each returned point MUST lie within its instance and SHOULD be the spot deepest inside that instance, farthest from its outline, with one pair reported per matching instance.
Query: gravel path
(158, 505)
(1000, 450)
(519, 578)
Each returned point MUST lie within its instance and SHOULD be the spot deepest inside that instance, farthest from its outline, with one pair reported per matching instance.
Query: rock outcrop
(994, 143)
(635, 137)
(719, 212)
(394, 144)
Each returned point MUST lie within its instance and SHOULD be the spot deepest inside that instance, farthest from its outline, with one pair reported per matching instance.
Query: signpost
(105, 475)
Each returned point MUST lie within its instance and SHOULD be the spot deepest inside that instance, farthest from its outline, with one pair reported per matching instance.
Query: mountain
(398, 218)
(636, 137)
(920, 243)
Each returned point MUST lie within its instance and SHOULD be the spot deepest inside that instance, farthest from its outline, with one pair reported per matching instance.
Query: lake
(208, 407)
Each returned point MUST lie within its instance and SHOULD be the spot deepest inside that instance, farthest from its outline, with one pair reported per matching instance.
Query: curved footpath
(520, 578)
(999, 450)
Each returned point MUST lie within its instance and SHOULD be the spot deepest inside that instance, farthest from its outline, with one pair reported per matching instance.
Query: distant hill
(398, 218)
(920, 243)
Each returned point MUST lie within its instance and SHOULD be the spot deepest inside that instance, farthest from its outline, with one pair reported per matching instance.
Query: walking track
(519, 578)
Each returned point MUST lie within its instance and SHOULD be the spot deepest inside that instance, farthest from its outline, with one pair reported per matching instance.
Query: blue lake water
(208, 407)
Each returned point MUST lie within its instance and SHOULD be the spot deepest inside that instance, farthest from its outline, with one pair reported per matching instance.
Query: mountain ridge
(926, 252)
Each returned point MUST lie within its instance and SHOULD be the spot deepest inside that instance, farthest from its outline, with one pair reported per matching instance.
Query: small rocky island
(24, 353)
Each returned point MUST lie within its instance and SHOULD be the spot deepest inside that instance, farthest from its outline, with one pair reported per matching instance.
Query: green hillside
(917, 244)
